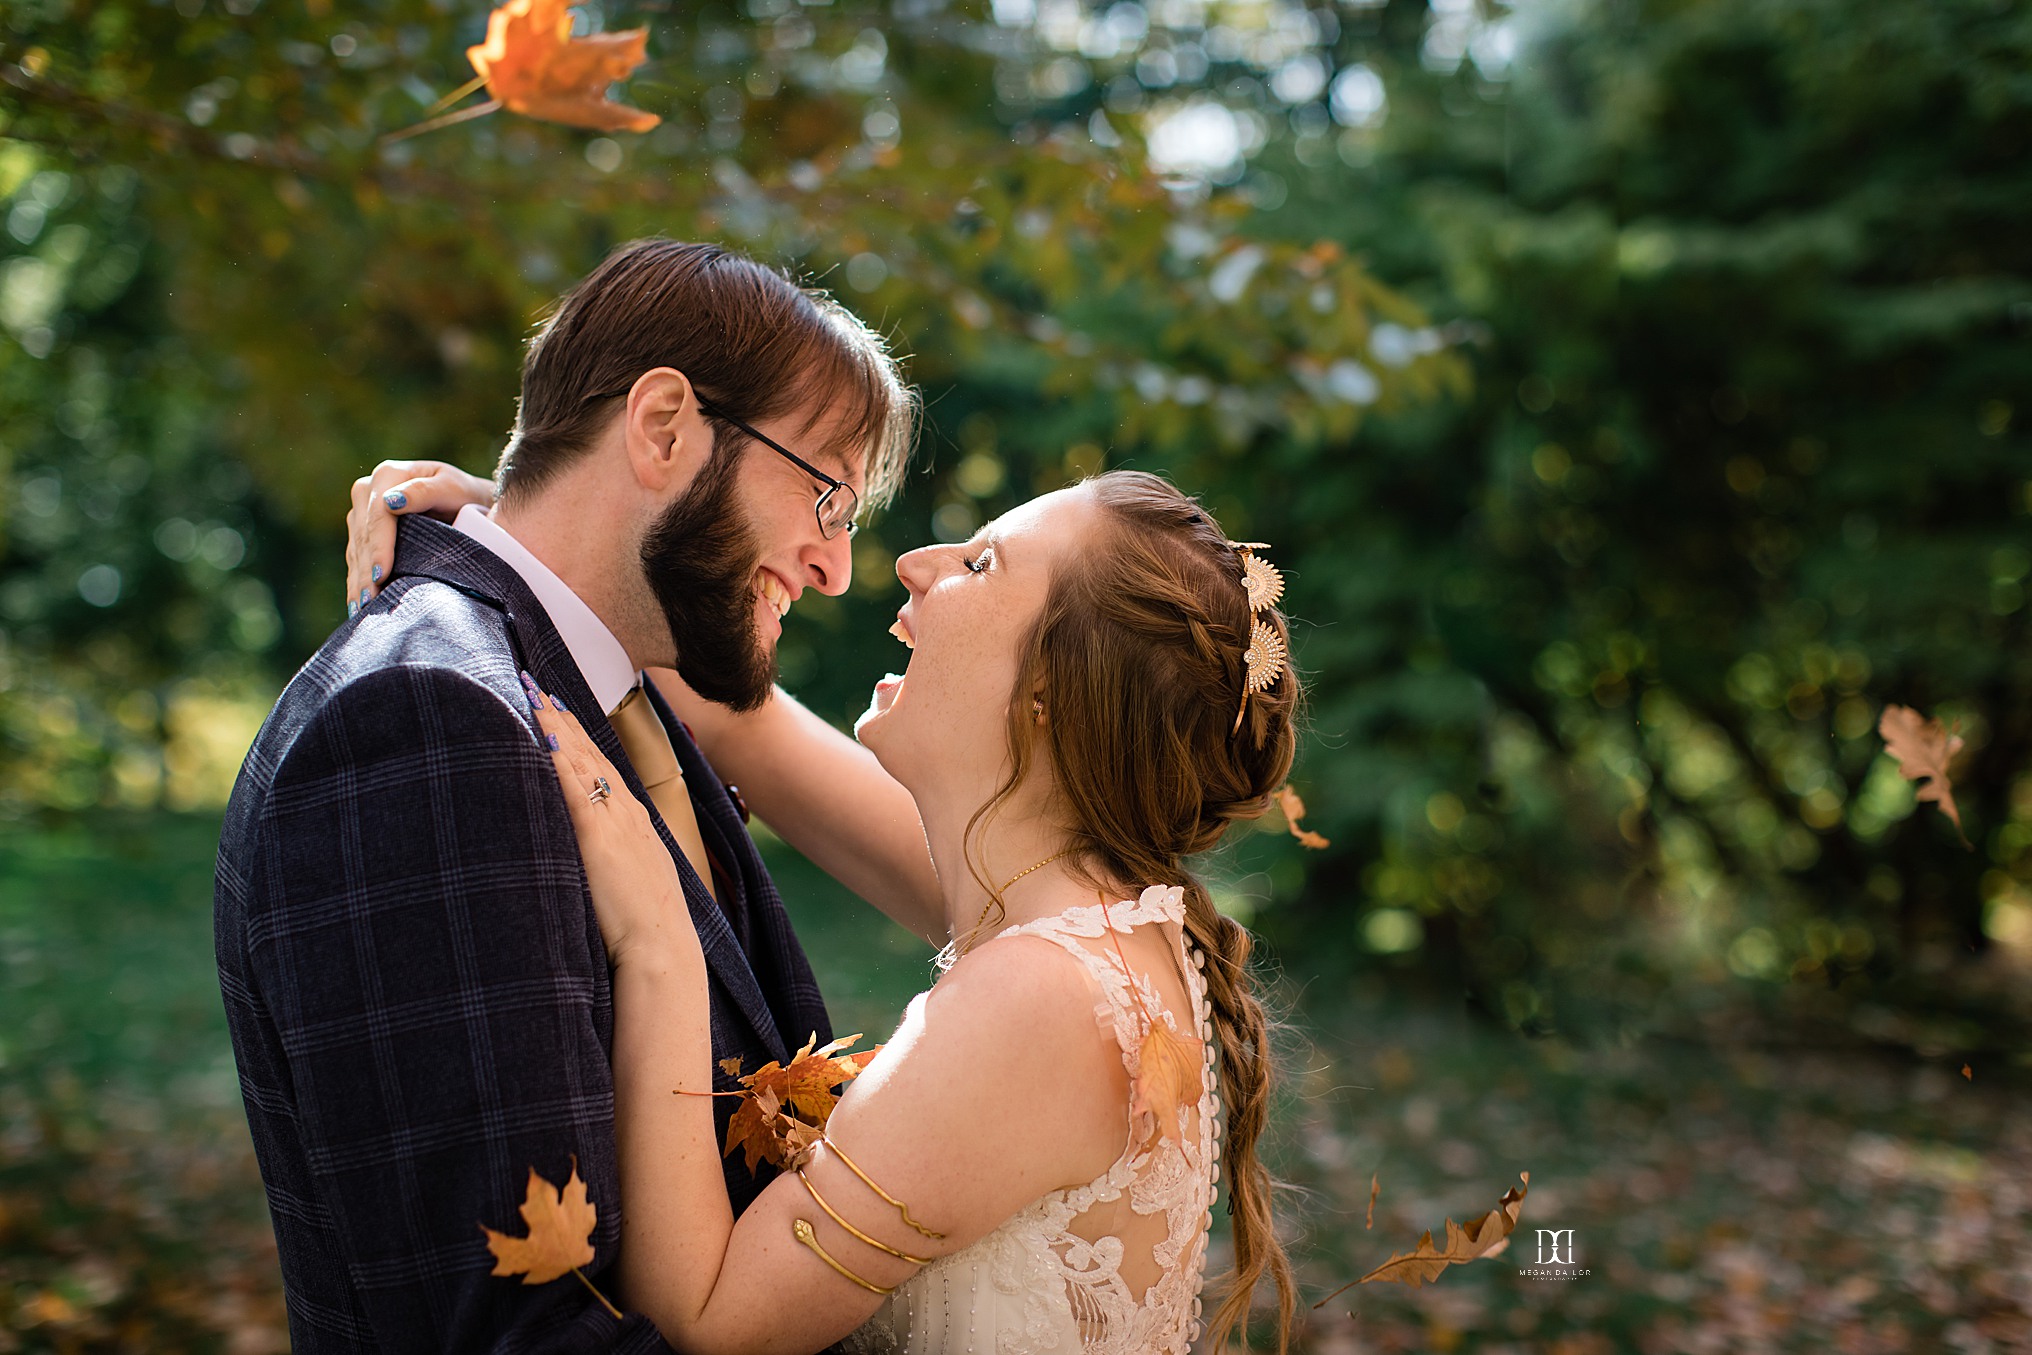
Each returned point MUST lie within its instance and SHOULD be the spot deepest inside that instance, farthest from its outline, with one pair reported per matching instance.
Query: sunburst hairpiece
(1264, 662)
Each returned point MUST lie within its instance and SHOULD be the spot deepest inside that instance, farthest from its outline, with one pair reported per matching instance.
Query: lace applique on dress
(1043, 1283)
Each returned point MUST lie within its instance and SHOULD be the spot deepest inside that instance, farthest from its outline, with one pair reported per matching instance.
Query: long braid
(1139, 651)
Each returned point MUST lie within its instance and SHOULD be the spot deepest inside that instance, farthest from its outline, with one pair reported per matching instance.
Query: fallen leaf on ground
(535, 67)
(1478, 1238)
(1923, 748)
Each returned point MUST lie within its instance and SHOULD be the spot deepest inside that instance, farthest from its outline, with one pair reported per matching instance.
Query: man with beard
(413, 975)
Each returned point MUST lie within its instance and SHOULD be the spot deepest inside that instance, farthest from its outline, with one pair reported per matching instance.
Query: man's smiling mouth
(774, 593)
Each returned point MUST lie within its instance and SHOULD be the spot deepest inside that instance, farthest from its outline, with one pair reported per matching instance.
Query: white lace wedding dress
(1112, 1267)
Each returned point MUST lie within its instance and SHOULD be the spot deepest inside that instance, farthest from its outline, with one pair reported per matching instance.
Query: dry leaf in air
(1294, 810)
(1167, 1071)
(1375, 1187)
(560, 1232)
(1923, 749)
(1167, 1079)
(1478, 1238)
(534, 66)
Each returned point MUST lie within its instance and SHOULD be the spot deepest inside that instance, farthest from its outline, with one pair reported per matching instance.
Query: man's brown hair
(751, 341)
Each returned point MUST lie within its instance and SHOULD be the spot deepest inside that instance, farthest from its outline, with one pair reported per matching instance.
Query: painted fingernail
(550, 742)
(556, 704)
(352, 609)
(364, 595)
(377, 573)
(396, 499)
(529, 689)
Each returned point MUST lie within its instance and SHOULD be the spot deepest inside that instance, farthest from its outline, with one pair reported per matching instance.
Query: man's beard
(700, 560)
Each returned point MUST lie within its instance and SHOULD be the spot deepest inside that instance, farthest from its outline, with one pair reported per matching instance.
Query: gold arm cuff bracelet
(869, 1182)
(801, 1229)
(834, 1215)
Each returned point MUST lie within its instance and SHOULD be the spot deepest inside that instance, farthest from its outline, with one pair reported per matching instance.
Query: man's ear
(667, 439)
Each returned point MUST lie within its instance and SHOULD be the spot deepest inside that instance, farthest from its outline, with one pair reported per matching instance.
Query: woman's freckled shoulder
(1016, 979)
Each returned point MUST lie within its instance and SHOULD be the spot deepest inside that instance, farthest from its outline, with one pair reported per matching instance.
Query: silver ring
(601, 790)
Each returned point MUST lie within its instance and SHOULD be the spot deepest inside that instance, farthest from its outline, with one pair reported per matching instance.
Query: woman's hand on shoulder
(636, 892)
(391, 490)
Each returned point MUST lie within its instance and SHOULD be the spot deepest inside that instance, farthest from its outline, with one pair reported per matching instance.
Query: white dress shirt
(600, 657)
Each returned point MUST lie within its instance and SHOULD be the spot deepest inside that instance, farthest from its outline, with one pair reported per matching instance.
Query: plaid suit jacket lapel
(772, 949)
(431, 549)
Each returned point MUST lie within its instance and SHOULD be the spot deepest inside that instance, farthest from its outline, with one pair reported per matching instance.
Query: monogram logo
(1555, 1246)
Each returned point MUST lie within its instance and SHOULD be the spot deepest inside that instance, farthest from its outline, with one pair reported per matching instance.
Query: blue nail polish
(396, 499)
(529, 690)
(558, 705)
(364, 595)
(352, 609)
(377, 573)
(550, 742)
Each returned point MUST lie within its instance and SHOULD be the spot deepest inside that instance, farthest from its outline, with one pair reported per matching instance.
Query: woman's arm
(997, 1088)
(822, 792)
(825, 795)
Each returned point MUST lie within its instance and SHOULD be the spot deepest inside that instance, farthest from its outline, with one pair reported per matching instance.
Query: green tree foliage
(1747, 460)
(215, 249)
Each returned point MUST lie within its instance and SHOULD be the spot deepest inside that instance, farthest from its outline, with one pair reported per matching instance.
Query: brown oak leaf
(534, 66)
(1481, 1237)
(1923, 748)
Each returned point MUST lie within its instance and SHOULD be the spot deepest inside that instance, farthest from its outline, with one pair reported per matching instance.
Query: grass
(1720, 1201)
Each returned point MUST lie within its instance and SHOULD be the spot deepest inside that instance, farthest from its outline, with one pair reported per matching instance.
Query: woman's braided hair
(1139, 653)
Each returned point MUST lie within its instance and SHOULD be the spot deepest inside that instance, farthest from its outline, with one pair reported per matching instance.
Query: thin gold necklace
(994, 898)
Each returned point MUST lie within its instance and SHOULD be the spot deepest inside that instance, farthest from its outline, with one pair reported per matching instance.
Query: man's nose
(831, 564)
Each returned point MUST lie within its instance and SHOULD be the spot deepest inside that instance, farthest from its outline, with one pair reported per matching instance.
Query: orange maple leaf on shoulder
(534, 66)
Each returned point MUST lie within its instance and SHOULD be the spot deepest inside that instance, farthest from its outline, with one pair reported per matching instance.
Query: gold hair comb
(1264, 661)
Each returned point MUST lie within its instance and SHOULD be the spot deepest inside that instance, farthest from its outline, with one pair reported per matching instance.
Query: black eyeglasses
(837, 503)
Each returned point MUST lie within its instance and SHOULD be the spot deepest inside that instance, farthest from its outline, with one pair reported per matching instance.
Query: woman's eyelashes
(978, 564)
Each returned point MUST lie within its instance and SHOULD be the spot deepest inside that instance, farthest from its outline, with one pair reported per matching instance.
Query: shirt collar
(600, 657)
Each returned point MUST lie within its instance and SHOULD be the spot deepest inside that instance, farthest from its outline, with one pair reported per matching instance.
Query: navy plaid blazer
(418, 995)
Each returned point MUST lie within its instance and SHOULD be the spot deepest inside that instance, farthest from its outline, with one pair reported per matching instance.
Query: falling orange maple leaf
(784, 1107)
(1375, 1187)
(1482, 1237)
(1294, 810)
(1923, 749)
(534, 66)
(560, 1234)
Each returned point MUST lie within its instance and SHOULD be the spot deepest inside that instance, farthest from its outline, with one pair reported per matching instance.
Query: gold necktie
(647, 744)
